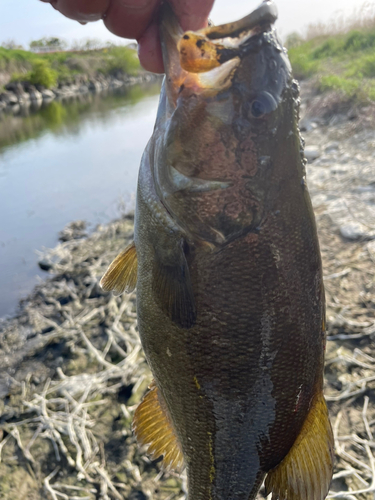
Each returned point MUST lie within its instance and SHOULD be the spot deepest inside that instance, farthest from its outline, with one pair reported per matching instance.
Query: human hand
(136, 19)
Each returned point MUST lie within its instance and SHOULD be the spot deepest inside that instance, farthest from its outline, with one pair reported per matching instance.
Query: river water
(64, 162)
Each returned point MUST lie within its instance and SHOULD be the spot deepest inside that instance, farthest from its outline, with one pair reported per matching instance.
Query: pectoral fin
(172, 286)
(121, 276)
(153, 428)
(306, 472)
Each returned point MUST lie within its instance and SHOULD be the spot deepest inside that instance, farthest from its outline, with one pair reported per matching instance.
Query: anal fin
(153, 428)
(121, 275)
(306, 472)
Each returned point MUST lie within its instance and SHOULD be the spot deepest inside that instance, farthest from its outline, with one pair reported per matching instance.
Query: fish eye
(263, 104)
(258, 109)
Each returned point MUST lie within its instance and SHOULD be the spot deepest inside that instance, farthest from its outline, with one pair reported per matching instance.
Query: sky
(26, 20)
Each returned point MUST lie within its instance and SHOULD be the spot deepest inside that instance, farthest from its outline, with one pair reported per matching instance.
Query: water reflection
(20, 123)
(70, 160)
(54, 114)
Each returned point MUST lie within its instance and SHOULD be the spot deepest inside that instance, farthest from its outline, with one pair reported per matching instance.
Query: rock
(13, 100)
(352, 114)
(137, 495)
(15, 108)
(318, 174)
(356, 231)
(64, 91)
(45, 264)
(130, 80)
(35, 105)
(371, 248)
(337, 119)
(365, 189)
(306, 125)
(95, 86)
(149, 77)
(15, 87)
(129, 215)
(83, 89)
(74, 89)
(332, 146)
(312, 153)
(47, 95)
(35, 95)
(345, 158)
(73, 231)
(340, 169)
(324, 160)
(9, 98)
(116, 83)
(24, 98)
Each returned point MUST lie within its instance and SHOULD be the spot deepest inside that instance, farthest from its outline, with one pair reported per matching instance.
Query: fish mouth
(205, 60)
(265, 14)
(211, 47)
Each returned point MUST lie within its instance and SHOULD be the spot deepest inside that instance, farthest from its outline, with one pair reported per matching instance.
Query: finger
(192, 14)
(82, 10)
(149, 50)
(130, 18)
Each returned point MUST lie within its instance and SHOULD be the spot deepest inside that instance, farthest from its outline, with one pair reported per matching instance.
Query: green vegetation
(120, 61)
(344, 62)
(42, 74)
(47, 69)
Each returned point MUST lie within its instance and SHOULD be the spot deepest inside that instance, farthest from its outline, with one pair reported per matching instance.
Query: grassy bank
(343, 62)
(64, 67)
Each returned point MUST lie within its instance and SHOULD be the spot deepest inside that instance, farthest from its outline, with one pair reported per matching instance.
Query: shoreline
(18, 95)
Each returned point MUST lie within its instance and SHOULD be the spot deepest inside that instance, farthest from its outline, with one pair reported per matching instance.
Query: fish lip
(263, 16)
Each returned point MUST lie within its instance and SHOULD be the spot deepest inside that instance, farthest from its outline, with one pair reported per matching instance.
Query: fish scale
(230, 297)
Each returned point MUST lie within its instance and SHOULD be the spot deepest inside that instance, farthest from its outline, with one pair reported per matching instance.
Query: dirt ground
(72, 368)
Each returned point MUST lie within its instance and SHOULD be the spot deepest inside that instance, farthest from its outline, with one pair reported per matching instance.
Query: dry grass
(362, 18)
(73, 373)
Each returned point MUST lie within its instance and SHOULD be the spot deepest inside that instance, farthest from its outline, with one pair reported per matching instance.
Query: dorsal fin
(306, 472)
(121, 275)
(153, 427)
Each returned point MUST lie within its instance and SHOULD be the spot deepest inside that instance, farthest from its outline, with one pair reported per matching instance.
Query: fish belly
(238, 384)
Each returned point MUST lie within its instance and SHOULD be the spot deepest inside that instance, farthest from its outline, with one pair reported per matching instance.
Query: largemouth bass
(226, 261)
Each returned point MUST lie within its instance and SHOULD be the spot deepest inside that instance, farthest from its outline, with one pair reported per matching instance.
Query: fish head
(227, 125)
